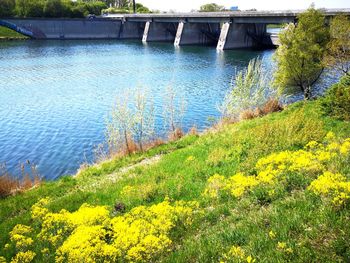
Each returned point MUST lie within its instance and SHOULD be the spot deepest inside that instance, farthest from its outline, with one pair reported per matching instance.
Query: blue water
(56, 95)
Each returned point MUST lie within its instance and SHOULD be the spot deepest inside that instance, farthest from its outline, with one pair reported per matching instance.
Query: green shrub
(78, 11)
(336, 102)
(96, 7)
(7, 8)
(35, 9)
(113, 10)
(55, 8)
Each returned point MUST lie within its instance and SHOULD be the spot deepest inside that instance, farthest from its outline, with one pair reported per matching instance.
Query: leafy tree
(143, 128)
(300, 54)
(211, 8)
(7, 7)
(55, 8)
(249, 91)
(132, 118)
(96, 7)
(35, 8)
(121, 4)
(142, 9)
(78, 11)
(336, 102)
(21, 7)
(173, 112)
(338, 54)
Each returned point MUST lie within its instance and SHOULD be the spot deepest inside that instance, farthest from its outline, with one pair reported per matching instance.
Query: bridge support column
(197, 34)
(242, 36)
(145, 32)
(159, 31)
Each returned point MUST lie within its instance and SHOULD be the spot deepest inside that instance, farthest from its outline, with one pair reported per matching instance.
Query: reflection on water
(56, 95)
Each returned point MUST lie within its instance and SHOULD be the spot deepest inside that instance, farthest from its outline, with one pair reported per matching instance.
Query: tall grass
(10, 184)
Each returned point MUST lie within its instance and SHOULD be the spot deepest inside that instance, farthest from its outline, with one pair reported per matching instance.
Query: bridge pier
(235, 35)
(159, 31)
(197, 33)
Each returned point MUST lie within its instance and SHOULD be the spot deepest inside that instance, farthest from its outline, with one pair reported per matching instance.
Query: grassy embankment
(294, 225)
(9, 34)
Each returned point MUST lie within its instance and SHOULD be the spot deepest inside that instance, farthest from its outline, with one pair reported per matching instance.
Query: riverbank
(282, 221)
(8, 34)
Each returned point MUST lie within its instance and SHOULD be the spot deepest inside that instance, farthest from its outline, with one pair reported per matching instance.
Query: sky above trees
(186, 5)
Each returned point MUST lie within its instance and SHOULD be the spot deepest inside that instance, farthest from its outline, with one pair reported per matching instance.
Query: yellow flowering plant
(237, 254)
(332, 186)
(288, 170)
(90, 234)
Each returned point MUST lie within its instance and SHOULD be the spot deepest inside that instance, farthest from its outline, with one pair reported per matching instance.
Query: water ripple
(55, 95)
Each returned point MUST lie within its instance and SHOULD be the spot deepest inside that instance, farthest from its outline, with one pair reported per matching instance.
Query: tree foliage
(249, 90)
(300, 54)
(50, 8)
(7, 8)
(132, 119)
(336, 102)
(211, 8)
(338, 54)
(173, 112)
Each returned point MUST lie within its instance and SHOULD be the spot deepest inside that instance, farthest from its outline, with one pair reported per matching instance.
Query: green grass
(269, 26)
(316, 232)
(10, 34)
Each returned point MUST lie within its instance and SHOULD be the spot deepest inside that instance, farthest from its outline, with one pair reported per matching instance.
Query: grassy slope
(231, 149)
(10, 34)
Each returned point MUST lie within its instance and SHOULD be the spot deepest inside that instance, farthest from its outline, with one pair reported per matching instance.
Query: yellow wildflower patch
(91, 235)
(311, 161)
(19, 235)
(282, 246)
(215, 184)
(23, 257)
(39, 209)
(239, 183)
(332, 185)
(236, 253)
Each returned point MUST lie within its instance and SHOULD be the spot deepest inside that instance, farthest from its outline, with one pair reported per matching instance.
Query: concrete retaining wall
(69, 28)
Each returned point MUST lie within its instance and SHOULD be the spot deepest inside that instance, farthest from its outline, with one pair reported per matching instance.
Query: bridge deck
(229, 14)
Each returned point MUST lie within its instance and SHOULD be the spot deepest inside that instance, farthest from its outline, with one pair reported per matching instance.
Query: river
(55, 96)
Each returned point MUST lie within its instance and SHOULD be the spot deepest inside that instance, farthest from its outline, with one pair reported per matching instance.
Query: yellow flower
(312, 145)
(239, 184)
(127, 190)
(272, 235)
(289, 250)
(345, 147)
(250, 259)
(23, 257)
(190, 158)
(237, 252)
(91, 235)
(330, 136)
(39, 210)
(271, 192)
(215, 184)
(19, 236)
(281, 245)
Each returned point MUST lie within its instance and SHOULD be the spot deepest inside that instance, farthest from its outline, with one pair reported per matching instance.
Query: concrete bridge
(225, 30)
